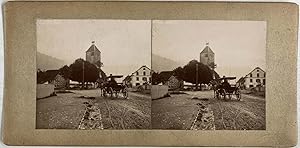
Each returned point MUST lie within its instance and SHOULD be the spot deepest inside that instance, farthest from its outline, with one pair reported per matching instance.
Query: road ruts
(204, 119)
(92, 118)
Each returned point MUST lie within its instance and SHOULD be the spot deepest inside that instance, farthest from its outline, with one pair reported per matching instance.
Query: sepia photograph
(93, 74)
(208, 75)
(150, 73)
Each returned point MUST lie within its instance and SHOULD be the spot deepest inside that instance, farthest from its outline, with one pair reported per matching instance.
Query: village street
(180, 111)
(85, 109)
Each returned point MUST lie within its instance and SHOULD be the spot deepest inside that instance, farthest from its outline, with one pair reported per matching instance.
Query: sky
(239, 46)
(125, 45)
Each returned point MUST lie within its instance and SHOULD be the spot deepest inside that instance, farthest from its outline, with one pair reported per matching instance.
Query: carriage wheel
(116, 94)
(224, 94)
(217, 94)
(238, 95)
(111, 92)
(104, 92)
(125, 93)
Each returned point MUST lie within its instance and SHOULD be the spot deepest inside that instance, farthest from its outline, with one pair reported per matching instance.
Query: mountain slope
(45, 62)
(160, 63)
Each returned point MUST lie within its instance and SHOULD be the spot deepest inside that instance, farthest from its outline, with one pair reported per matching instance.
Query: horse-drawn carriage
(223, 88)
(113, 89)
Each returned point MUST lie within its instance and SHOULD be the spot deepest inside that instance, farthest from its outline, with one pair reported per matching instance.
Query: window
(250, 86)
(137, 73)
(206, 55)
(92, 54)
(258, 80)
(144, 68)
(250, 80)
(137, 78)
(137, 84)
(264, 81)
(264, 74)
(144, 78)
(257, 75)
(144, 73)
(250, 76)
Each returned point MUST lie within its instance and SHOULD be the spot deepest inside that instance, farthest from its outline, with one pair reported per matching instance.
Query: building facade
(93, 55)
(207, 56)
(257, 77)
(140, 77)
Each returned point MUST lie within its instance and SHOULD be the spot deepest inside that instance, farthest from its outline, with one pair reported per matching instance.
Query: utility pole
(197, 76)
(83, 74)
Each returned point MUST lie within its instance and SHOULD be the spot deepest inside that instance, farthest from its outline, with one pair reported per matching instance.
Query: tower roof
(93, 48)
(206, 50)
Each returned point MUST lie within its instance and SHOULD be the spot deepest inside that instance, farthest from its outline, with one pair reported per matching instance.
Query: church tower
(93, 55)
(207, 56)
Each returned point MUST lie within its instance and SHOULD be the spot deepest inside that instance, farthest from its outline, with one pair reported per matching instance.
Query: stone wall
(158, 91)
(44, 90)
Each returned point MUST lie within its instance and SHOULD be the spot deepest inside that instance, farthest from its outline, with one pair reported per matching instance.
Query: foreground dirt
(175, 112)
(132, 113)
(247, 114)
(63, 111)
(179, 111)
(87, 110)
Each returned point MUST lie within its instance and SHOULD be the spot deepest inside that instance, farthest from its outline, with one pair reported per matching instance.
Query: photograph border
(20, 72)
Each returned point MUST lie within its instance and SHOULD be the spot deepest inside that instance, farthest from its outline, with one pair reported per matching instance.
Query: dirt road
(131, 113)
(247, 114)
(179, 111)
(68, 111)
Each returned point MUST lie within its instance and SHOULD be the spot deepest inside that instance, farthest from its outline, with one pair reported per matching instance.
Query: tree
(83, 71)
(205, 74)
(40, 76)
(65, 71)
(99, 64)
(155, 78)
(179, 73)
(212, 65)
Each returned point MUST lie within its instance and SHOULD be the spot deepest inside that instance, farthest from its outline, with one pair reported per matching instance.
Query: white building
(256, 77)
(139, 77)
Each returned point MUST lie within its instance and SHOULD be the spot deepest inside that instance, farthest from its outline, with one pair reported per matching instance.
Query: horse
(215, 86)
(102, 85)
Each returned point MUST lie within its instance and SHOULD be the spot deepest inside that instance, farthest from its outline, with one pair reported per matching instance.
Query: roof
(206, 49)
(144, 66)
(127, 78)
(174, 77)
(255, 69)
(46, 76)
(240, 80)
(165, 75)
(115, 76)
(93, 48)
(227, 78)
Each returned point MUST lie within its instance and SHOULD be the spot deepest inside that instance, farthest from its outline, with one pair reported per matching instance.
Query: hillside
(163, 64)
(45, 62)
